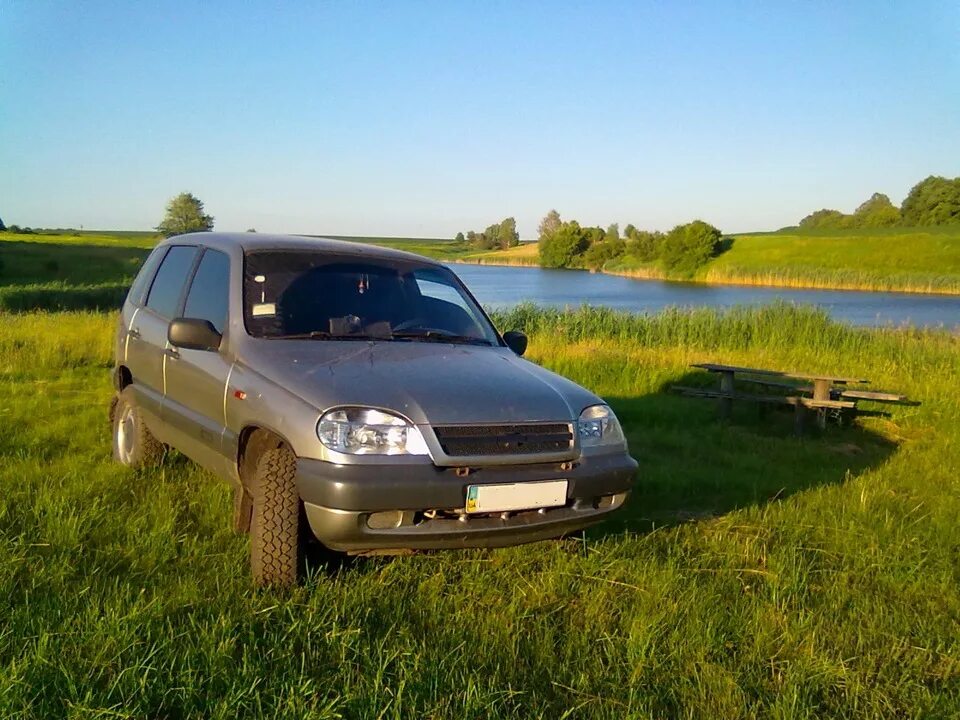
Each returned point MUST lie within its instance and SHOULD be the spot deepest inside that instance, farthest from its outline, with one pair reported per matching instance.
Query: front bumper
(339, 500)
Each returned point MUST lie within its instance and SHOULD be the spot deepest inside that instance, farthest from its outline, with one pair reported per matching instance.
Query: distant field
(437, 248)
(523, 254)
(895, 259)
(69, 271)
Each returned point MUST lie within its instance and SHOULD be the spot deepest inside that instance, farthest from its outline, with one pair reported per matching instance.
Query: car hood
(429, 383)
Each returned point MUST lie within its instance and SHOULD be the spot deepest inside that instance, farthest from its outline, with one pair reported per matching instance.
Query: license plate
(516, 496)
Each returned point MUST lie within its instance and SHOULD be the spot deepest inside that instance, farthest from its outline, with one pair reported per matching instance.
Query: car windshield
(292, 294)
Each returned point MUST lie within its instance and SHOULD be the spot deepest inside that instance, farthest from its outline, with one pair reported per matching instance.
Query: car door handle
(134, 333)
(172, 353)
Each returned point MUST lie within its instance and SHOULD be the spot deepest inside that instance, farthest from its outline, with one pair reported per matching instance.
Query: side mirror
(194, 334)
(516, 341)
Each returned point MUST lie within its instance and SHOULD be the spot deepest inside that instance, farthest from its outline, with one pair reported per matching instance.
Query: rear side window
(210, 290)
(142, 281)
(167, 288)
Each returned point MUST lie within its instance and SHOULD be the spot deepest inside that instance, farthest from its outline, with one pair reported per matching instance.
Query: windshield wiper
(323, 335)
(441, 336)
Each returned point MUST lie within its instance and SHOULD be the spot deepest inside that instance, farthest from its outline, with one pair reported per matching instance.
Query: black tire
(276, 538)
(133, 443)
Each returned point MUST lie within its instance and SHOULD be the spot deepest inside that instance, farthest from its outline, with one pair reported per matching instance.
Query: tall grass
(750, 575)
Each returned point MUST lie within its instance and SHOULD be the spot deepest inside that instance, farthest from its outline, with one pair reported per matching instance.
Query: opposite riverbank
(916, 260)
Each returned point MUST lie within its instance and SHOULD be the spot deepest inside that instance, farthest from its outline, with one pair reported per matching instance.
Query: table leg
(726, 387)
(799, 418)
(821, 391)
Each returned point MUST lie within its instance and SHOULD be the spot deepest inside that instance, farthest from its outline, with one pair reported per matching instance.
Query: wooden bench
(800, 404)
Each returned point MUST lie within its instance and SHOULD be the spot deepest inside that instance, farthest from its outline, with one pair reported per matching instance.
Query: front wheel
(133, 443)
(276, 538)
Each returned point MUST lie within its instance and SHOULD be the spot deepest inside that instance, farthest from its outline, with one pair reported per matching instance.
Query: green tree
(507, 236)
(613, 233)
(459, 238)
(826, 219)
(600, 253)
(933, 201)
(629, 231)
(549, 225)
(2, 226)
(689, 246)
(185, 215)
(644, 245)
(491, 237)
(563, 246)
(878, 211)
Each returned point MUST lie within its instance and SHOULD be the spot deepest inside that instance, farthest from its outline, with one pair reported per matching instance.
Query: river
(497, 286)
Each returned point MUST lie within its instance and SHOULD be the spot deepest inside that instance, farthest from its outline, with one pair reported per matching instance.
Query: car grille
(536, 439)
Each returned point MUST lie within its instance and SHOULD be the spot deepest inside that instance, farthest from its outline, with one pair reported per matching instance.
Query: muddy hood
(430, 383)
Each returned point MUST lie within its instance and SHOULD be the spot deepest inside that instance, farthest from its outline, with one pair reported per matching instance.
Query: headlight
(599, 426)
(364, 431)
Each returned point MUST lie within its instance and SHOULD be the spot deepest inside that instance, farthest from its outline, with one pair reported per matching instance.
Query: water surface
(498, 287)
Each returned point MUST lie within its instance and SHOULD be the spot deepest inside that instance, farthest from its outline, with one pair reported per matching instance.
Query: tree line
(932, 201)
(499, 236)
(565, 244)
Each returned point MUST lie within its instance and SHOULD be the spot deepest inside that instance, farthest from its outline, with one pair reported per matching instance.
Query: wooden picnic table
(827, 392)
(821, 384)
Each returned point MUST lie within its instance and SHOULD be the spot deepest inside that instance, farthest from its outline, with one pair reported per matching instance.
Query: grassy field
(525, 254)
(925, 260)
(750, 575)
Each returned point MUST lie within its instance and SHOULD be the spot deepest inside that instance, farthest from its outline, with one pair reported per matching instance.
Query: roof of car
(265, 241)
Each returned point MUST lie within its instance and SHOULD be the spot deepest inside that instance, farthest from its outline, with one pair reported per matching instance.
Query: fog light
(608, 502)
(385, 520)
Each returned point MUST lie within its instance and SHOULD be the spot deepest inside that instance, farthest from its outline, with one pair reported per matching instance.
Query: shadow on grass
(725, 244)
(695, 466)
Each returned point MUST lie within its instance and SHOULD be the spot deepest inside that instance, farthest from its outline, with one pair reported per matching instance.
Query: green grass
(750, 575)
(892, 259)
(69, 271)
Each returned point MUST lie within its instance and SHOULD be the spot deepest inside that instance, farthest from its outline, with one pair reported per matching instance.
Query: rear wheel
(133, 443)
(276, 536)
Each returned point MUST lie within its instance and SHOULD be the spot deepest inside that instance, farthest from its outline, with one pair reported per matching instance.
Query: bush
(933, 201)
(562, 247)
(687, 247)
(644, 245)
(878, 211)
(599, 254)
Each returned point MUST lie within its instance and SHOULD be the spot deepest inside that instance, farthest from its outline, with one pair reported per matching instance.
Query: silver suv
(354, 393)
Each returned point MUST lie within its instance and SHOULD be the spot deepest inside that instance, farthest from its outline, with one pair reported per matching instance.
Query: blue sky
(419, 118)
